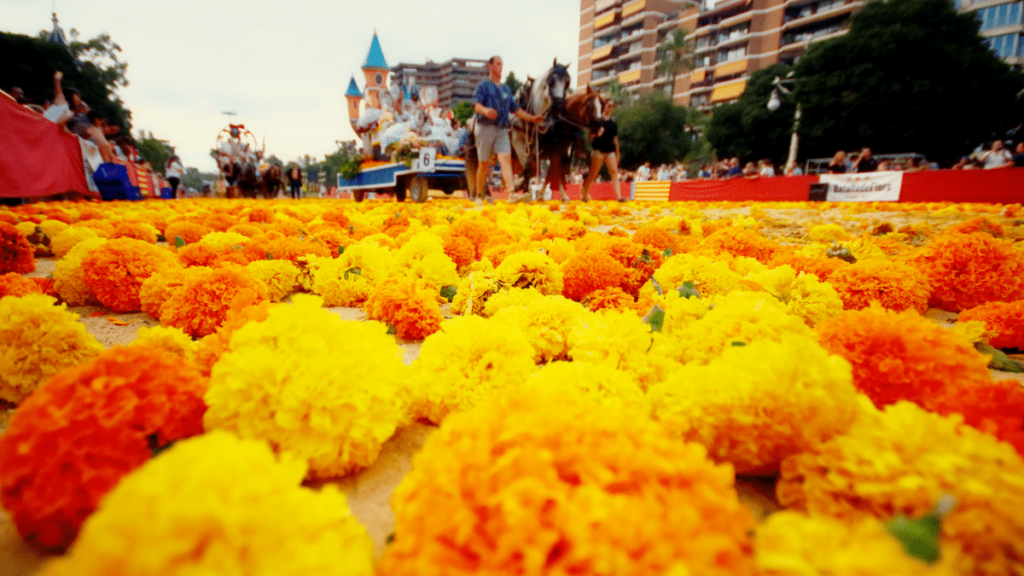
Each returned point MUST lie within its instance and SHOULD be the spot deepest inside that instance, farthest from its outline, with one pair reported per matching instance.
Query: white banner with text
(866, 187)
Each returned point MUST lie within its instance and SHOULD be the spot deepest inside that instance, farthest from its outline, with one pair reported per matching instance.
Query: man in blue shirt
(493, 102)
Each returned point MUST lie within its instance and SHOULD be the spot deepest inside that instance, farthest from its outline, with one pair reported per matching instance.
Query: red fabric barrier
(1000, 186)
(37, 157)
(775, 189)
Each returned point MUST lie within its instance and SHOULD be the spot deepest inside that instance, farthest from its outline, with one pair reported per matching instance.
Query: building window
(999, 16)
(1003, 46)
(604, 40)
(698, 100)
(733, 53)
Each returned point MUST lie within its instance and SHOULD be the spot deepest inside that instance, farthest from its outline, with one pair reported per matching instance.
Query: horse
(271, 182)
(248, 180)
(562, 138)
(542, 97)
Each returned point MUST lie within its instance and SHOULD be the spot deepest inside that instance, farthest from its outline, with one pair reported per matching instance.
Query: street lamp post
(774, 103)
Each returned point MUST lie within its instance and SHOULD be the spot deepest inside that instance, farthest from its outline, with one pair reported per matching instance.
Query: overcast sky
(283, 66)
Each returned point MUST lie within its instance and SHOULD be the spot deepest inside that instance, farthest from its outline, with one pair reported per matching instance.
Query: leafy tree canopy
(654, 130)
(153, 149)
(463, 111)
(747, 129)
(910, 76)
(30, 63)
(615, 92)
(513, 82)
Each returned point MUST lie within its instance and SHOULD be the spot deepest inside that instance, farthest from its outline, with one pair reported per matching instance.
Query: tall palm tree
(676, 55)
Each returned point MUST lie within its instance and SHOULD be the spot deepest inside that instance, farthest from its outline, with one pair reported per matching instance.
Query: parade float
(409, 145)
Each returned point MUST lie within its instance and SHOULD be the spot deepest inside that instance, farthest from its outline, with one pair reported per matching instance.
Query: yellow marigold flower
(279, 276)
(382, 240)
(308, 265)
(559, 249)
(742, 316)
(511, 297)
(215, 504)
(69, 278)
(63, 242)
(549, 482)
(827, 233)
(53, 228)
(531, 270)
(423, 257)
(900, 461)
(348, 279)
(620, 340)
(474, 290)
(803, 295)
(221, 241)
(792, 544)
(172, 340)
(464, 362)
(311, 384)
(709, 276)
(602, 383)
(27, 227)
(860, 248)
(757, 404)
(973, 331)
(546, 322)
(38, 339)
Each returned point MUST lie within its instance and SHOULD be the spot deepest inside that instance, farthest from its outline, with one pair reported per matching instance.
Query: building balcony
(799, 43)
(605, 20)
(789, 23)
(602, 5)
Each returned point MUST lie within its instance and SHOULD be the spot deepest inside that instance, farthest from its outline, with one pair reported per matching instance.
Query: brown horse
(271, 182)
(564, 138)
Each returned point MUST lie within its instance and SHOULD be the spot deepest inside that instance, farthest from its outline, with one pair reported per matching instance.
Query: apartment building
(733, 38)
(454, 79)
(1001, 25)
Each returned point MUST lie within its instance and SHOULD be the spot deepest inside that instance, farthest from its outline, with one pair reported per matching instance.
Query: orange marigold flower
(656, 239)
(904, 356)
(200, 305)
(72, 440)
(1004, 318)
(190, 232)
(979, 224)
(137, 230)
(820, 267)
(334, 239)
(13, 284)
(115, 271)
(219, 222)
(408, 304)
(159, 287)
(16, 254)
(291, 248)
(739, 242)
(258, 213)
(894, 285)
(477, 230)
(590, 271)
(247, 230)
(460, 249)
(547, 481)
(336, 215)
(609, 299)
(967, 270)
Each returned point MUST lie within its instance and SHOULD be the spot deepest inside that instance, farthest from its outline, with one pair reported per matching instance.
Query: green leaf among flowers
(179, 242)
(449, 292)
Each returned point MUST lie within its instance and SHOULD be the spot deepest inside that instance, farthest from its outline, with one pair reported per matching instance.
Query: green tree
(512, 81)
(747, 129)
(274, 161)
(463, 111)
(910, 76)
(194, 179)
(615, 92)
(153, 149)
(30, 63)
(654, 130)
(676, 55)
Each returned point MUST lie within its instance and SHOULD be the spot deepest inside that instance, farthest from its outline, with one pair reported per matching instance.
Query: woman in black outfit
(838, 163)
(606, 152)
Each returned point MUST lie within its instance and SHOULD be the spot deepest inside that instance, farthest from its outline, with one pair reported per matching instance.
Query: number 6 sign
(427, 158)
